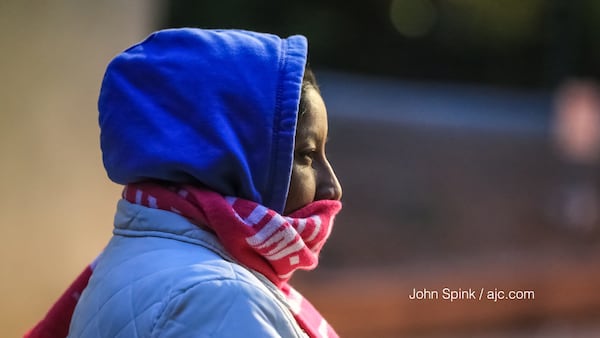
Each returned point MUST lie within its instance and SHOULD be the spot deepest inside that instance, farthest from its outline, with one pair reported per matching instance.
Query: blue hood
(215, 107)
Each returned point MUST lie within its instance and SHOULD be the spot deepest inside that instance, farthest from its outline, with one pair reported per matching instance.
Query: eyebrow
(310, 134)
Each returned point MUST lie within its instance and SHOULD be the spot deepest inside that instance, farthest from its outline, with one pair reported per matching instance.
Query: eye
(306, 156)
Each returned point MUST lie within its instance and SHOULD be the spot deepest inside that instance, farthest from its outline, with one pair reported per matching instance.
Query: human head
(312, 175)
(212, 107)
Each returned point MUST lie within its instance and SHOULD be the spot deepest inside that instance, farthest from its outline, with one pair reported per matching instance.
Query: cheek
(302, 188)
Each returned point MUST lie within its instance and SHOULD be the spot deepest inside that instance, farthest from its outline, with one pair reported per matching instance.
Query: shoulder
(200, 293)
(171, 292)
(222, 307)
(176, 284)
(223, 299)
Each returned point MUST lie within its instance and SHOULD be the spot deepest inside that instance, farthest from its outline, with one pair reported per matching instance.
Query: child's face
(312, 176)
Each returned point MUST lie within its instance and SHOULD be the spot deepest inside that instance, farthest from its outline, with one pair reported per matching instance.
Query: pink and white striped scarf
(257, 237)
(254, 235)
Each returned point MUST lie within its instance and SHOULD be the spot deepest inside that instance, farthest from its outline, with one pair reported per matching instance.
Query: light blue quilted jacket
(161, 276)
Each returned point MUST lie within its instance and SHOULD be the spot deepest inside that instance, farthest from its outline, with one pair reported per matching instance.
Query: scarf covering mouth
(257, 237)
(254, 235)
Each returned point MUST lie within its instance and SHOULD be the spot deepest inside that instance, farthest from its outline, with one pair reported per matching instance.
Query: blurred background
(466, 135)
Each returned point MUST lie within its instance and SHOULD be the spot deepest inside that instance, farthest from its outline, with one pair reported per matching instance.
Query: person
(219, 138)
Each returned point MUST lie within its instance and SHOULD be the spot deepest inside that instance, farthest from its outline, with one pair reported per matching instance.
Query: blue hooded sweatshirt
(214, 107)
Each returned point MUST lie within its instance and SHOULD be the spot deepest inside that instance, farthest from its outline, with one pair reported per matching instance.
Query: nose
(329, 187)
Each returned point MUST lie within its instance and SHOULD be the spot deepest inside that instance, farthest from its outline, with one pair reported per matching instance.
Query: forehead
(313, 121)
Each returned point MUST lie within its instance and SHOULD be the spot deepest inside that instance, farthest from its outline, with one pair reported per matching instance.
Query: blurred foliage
(476, 23)
(536, 43)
